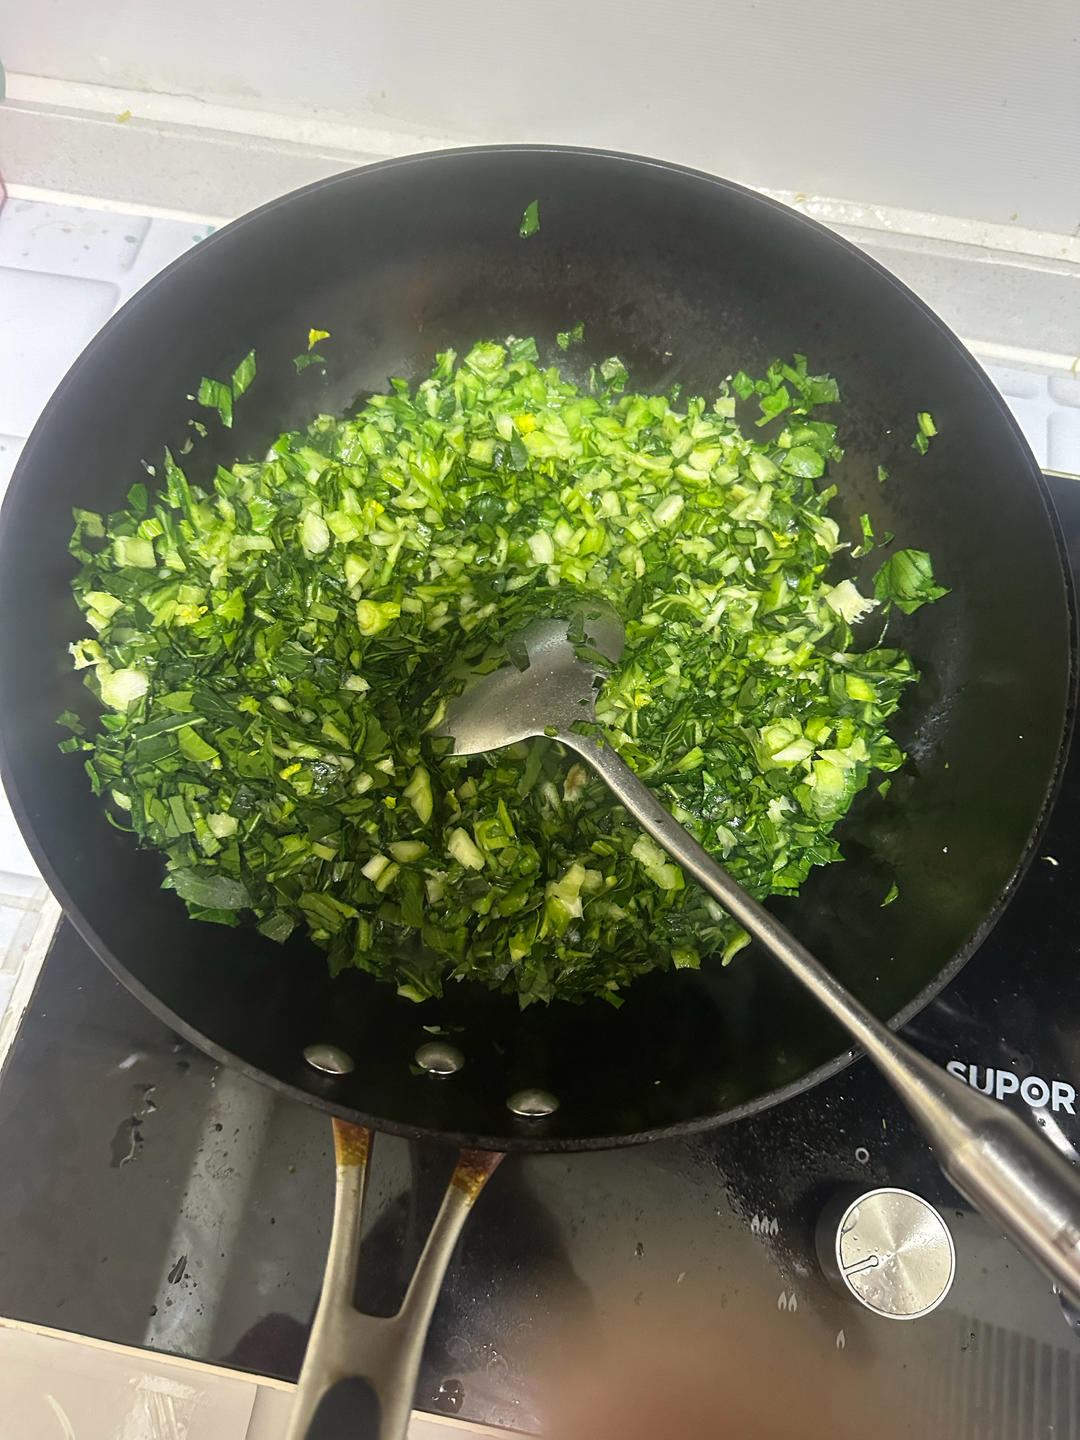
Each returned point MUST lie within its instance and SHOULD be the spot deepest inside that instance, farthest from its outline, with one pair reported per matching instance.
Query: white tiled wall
(963, 108)
(65, 270)
(1047, 408)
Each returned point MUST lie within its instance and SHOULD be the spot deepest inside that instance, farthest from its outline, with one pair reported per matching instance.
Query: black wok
(687, 278)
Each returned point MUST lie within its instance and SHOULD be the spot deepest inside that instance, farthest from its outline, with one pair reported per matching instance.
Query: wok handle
(379, 1357)
(1024, 1187)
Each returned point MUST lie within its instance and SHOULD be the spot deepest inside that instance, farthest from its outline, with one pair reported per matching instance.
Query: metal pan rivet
(330, 1059)
(532, 1104)
(439, 1058)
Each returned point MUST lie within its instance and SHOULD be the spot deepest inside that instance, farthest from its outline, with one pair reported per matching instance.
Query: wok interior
(687, 279)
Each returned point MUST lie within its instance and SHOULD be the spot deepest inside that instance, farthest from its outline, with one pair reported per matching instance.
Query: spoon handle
(1020, 1184)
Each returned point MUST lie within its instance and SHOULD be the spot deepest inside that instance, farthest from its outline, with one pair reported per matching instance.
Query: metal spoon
(1022, 1187)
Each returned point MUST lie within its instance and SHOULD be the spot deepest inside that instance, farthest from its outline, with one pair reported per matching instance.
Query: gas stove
(151, 1198)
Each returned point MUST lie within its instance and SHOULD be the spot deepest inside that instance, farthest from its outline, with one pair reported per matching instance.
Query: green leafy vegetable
(893, 893)
(216, 396)
(314, 336)
(209, 891)
(614, 372)
(907, 580)
(925, 433)
(243, 375)
(530, 221)
(574, 336)
(867, 540)
(274, 651)
(303, 361)
(773, 403)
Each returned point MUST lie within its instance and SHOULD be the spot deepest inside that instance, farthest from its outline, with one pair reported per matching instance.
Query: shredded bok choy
(273, 653)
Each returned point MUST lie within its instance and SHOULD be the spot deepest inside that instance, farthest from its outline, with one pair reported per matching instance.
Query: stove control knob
(889, 1249)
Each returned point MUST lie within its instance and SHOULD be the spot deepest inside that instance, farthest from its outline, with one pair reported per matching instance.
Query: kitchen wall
(962, 108)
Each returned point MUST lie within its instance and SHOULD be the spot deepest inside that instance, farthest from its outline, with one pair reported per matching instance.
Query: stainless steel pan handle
(382, 1353)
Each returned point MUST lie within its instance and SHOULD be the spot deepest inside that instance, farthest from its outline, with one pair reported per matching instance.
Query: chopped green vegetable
(773, 403)
(530, 221)
(212, 892)
(925, 433)
(275, 652)
(891, 896)
(804, 460)
(303, 361)
(314, 336)
(907, 581)
(566, 338)
(243, 375)
(614, 372)
(867, 540)
(216, 396)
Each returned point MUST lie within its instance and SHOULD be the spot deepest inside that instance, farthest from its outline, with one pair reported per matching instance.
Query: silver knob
(891, 1250)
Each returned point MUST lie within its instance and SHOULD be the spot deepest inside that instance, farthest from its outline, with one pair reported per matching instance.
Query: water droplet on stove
(449, 1397)
(460, 1351)
(497, 1365)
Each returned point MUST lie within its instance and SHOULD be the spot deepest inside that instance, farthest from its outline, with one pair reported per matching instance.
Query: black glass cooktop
(150, 1197)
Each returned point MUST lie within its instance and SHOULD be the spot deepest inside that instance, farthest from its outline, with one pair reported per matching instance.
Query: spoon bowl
(565, 661)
